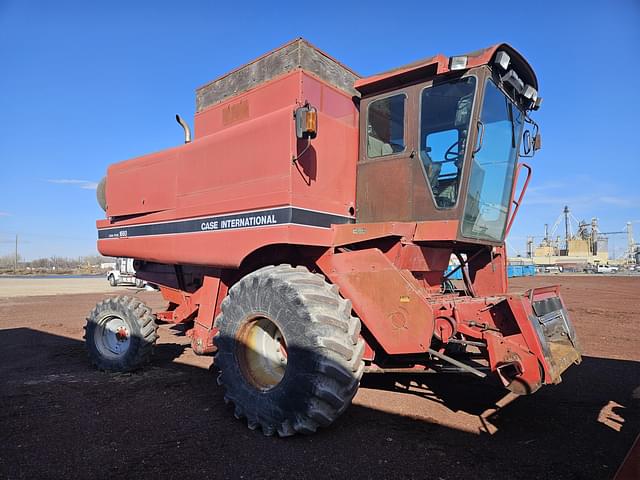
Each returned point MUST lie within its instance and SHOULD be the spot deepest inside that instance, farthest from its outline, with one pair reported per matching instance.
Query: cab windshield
(493, 166)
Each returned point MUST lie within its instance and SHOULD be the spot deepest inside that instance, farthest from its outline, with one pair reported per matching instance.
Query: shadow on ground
(61, 418)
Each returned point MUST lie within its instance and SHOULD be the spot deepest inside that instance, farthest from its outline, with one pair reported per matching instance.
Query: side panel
(172, 207)
(324, 176)
(245, 159)
(488, 272)
(145, 184)
(384, 191)
(261, 100)
(219, 248)
(390, 303)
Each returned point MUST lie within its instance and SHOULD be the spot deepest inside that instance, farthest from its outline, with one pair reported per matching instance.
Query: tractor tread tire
(318, 325)
(142, 327)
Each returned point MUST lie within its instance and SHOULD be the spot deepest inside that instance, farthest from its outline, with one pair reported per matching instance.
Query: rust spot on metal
(398, 320)
(236, 112)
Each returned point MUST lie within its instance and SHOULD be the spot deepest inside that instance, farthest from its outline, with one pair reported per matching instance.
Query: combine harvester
(304, 234)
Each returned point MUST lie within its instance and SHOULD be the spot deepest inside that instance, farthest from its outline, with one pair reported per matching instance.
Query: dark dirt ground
(62, 419)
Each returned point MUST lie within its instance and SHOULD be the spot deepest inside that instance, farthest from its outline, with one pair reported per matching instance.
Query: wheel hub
(122, 334)
(112, 337)
(262, 352)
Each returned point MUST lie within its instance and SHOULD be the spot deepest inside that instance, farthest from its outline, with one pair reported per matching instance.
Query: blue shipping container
(512, 271)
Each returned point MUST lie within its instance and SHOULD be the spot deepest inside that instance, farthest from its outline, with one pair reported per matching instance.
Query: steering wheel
(450, 155)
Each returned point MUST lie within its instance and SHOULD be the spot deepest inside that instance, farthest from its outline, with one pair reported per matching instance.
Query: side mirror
(537, 142)
(306, 119)
(527, 143)
(531, 142)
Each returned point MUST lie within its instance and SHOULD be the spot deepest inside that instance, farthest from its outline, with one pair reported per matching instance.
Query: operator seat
(377, 148)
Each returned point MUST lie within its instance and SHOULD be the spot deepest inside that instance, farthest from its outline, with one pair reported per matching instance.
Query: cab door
(387, 160)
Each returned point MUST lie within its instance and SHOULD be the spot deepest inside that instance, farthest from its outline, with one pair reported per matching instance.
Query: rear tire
(289, 350)
(120, 334)
(112, 281)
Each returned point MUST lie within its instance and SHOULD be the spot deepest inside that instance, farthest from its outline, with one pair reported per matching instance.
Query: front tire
(120, 334)
(112, 281)
(289, 350)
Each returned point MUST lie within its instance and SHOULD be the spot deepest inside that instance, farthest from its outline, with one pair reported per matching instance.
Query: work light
(458, 63)
(502, 60)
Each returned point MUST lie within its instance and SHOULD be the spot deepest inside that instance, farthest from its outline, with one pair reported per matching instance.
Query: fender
(389, 301)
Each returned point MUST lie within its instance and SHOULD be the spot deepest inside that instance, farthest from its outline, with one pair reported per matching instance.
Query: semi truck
(124, 274)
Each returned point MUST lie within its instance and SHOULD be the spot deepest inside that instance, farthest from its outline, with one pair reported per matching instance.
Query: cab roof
(440, 64)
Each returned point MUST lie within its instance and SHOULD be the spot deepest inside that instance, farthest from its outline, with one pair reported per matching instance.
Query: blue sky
(85, 84)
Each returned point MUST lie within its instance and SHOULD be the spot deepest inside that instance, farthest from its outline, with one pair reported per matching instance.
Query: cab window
(385, 126)
(444, 127)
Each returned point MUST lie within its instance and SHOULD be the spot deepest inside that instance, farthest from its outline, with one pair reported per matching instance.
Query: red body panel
(239, 162)
(390, 300)
(223, 249)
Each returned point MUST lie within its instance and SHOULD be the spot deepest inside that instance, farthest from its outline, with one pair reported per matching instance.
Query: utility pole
(630, 243)
(15, 261)
(566, 227)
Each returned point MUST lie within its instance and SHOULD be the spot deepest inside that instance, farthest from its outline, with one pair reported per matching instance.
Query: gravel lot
(62, 419)
(31, 287)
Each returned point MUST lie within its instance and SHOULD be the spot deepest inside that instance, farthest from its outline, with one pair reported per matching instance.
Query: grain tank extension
(303, 235)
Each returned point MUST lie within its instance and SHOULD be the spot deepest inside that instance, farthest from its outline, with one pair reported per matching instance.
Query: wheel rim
(112, 337)
(262, 353)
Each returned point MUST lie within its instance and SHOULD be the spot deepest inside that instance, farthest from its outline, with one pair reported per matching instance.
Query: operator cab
(441, 139)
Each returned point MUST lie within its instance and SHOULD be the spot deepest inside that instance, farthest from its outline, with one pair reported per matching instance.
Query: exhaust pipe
(187, 130)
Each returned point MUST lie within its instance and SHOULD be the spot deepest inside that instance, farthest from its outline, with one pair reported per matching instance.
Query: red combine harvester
(305, 234)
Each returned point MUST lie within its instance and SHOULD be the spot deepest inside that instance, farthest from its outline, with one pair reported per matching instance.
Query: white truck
(605, 269)
(124, 273)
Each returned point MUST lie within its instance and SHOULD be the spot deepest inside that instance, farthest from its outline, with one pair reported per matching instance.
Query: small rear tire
(289, 350)
(120, 334)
